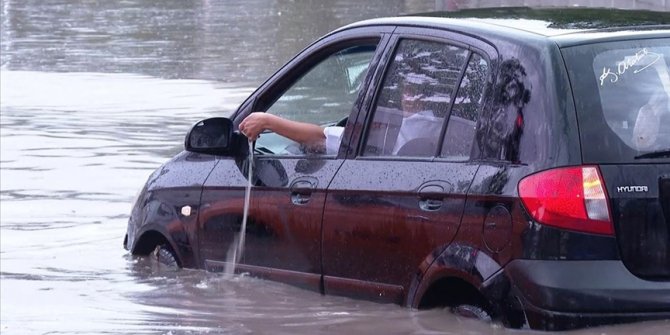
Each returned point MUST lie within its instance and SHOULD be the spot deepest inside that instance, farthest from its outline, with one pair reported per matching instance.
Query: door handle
(299, 198)
(430, 204)
(302, 185)
(431, 195)
(301, 189)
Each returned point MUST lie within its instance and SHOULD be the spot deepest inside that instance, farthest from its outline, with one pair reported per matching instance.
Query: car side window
(460, 134)
(324, 95)
(415, 99)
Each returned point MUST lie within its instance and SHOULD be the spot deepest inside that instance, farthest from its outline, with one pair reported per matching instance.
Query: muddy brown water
(94, 96)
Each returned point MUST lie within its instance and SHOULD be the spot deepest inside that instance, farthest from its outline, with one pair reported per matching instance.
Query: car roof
(565, 26)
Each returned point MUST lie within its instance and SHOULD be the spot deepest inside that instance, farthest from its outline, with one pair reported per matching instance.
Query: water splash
(237, 247)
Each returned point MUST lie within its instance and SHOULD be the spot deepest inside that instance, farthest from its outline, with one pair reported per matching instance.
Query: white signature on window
(621, 67)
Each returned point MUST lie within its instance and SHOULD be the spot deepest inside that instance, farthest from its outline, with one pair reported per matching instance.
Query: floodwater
(94, 96)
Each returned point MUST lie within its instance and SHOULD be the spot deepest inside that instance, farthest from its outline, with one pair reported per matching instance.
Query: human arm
(306, 133)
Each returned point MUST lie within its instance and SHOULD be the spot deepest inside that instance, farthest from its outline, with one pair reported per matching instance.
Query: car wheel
(166, 256)
(471, 311)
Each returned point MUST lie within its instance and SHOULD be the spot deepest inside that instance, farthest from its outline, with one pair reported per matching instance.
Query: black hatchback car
(532, 187)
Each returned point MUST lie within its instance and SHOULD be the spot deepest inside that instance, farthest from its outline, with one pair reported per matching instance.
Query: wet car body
(448, 226)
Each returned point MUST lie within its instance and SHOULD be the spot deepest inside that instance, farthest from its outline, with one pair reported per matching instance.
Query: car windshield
(622, 93)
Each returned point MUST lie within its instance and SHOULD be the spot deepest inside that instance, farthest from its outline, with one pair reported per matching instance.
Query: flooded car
(510, 164)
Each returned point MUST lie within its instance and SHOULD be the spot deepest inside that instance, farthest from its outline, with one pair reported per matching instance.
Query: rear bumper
(560, 295)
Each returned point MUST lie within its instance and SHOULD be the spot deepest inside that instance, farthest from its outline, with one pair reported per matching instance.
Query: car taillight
(571, 198)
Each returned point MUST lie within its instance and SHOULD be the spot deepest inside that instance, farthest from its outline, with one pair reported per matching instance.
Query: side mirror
(214, 136)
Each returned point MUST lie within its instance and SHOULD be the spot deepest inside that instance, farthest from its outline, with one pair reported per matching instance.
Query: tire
(472, 312)
(165, 256)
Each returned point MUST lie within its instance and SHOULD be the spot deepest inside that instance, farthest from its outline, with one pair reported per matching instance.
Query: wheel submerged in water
(165, 256)
(472, 311)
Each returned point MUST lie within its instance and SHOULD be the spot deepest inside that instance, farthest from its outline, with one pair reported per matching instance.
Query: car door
(324, 85)
(400, 198)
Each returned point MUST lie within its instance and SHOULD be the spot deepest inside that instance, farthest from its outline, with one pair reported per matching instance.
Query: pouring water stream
(237, 247)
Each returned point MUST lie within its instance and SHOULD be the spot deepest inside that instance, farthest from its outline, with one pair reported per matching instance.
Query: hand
(254, 124)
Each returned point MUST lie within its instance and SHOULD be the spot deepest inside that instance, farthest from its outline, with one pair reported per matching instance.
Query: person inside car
(415, 121)
(648, 123)
(651, 128)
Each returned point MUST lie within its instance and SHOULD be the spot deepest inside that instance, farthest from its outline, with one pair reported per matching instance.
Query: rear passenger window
(460, 134)
(414, 100)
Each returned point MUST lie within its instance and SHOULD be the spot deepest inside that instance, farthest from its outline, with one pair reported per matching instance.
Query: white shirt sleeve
(418, 125)
(333, 139)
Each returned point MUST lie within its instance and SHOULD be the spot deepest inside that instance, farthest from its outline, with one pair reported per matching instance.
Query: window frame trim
(287, 75)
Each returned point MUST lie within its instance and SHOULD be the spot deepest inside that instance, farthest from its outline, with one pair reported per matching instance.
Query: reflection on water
(94, 95)
(230, 41)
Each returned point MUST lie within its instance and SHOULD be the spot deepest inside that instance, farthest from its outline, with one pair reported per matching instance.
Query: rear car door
(324, 86)
(400, 197)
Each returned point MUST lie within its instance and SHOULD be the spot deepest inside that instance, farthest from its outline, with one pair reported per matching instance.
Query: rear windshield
(622, 94)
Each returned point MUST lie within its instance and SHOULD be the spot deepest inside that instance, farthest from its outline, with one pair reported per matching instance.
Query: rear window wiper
(655, 154)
